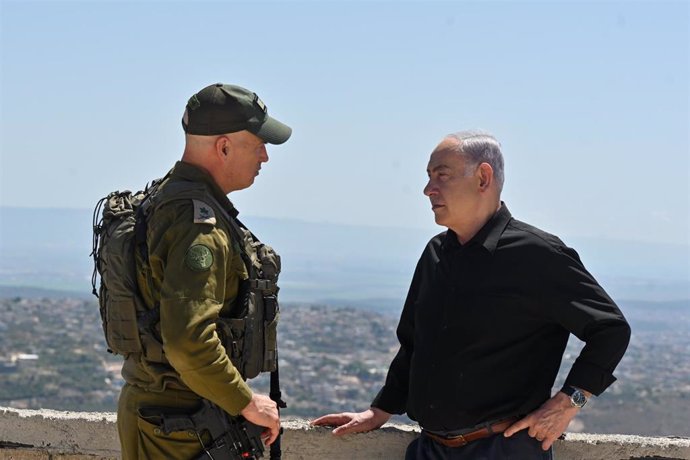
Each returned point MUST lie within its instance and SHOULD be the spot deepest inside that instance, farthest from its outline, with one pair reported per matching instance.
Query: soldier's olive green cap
(220, 109)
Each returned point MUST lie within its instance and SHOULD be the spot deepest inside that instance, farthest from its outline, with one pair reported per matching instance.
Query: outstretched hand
(548, 422)
(354, 422)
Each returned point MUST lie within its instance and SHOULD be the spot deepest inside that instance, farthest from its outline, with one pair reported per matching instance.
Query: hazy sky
(589, 99)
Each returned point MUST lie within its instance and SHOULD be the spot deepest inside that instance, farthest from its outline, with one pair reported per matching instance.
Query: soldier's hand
(354, 422)
(548, 422)
(263, 411)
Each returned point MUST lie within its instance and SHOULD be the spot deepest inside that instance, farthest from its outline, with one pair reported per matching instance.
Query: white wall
(40, 434)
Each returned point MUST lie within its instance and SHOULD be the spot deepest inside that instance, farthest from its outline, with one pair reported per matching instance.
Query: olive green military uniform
(194, 273)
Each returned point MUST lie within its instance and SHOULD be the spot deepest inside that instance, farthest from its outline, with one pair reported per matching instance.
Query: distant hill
(333, 264)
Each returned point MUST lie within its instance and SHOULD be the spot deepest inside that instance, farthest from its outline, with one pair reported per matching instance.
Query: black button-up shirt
(485, 325)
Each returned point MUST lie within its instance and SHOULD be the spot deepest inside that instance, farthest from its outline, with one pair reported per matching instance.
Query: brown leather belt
(464, 439)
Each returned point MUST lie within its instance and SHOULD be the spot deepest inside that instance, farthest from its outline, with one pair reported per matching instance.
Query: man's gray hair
(478, 147)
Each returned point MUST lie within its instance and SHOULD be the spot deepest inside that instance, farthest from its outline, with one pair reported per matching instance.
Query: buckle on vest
(263, 285)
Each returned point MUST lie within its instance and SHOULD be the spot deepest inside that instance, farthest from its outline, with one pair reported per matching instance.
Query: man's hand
(354, 422)
(263, 411)
(548, 422)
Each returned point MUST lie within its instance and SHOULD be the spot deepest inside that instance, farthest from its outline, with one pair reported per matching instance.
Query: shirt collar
(487, 237)
(190, 172)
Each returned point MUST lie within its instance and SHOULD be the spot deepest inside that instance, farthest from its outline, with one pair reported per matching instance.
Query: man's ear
(486, 176)
(222, 146)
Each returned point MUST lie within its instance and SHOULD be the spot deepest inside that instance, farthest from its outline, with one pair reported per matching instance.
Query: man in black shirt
(491, 306)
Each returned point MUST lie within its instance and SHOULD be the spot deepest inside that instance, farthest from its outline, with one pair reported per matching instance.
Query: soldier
(194, 271)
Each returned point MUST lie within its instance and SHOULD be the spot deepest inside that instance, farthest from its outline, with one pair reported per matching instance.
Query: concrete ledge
(48, 434)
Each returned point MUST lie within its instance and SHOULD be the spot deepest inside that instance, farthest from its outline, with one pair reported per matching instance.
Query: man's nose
(430, 189)
(263, 155)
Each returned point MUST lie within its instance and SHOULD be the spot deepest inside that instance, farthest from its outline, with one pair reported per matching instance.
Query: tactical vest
(249, 335)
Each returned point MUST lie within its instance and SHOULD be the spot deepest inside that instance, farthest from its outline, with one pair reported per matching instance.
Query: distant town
(52, 355)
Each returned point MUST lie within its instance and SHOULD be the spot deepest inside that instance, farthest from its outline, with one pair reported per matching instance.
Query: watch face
(578, 398)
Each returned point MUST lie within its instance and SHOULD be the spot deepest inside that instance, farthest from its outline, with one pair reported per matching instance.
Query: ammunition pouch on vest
(129, 324)
(254, 349)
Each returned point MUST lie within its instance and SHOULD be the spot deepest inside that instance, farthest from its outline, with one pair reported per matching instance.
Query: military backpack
(119, 238)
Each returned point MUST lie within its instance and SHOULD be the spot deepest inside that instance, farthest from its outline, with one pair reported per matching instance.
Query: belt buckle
(460, 438)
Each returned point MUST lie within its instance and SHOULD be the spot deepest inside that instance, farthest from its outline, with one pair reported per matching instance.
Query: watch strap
(577, 400)
(567, 389)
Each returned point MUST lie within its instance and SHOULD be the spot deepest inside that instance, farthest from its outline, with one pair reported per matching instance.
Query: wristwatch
(577, 398)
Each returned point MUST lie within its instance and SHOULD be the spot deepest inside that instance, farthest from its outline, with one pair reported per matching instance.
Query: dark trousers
(518, 447)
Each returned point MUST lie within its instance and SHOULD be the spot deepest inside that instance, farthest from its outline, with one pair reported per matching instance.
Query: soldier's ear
(222, 145)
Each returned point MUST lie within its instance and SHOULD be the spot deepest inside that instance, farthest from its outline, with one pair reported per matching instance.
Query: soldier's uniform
(193, 273)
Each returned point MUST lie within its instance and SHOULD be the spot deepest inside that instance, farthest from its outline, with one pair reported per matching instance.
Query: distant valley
(362, 266)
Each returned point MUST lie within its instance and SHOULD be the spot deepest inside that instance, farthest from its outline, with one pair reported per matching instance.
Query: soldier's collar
(190, 172)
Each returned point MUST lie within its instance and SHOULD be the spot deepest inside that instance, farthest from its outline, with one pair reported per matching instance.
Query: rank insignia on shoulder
(203, 213)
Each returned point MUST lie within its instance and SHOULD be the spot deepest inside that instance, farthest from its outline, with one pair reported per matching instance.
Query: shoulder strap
(178, 190)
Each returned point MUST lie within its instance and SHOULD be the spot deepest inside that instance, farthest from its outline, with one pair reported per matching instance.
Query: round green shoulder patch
(199, 258)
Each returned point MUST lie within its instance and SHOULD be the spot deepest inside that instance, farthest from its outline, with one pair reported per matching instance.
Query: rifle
(276, 395)
(232, 438)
